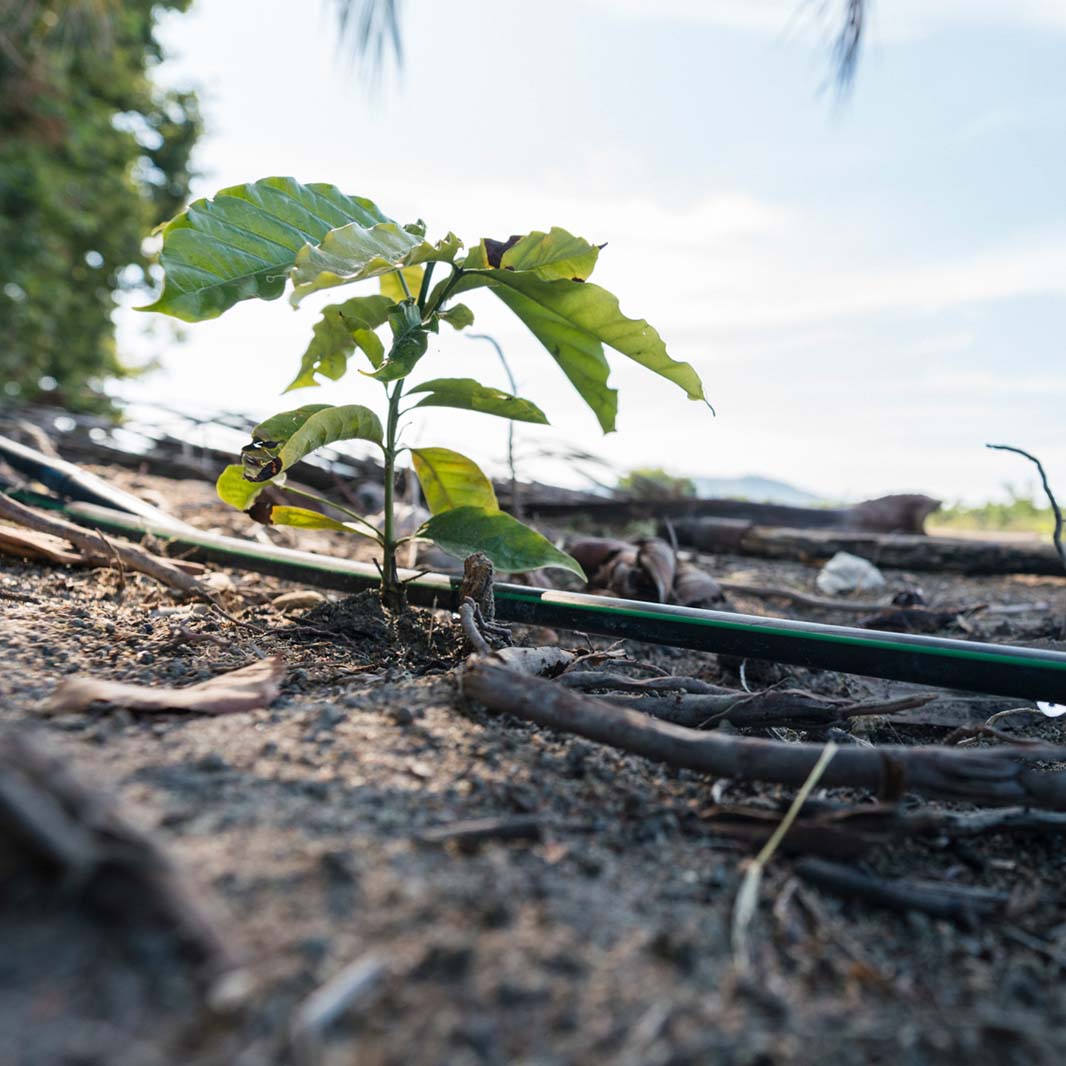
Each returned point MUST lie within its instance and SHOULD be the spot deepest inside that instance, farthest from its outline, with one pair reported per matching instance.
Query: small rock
(301, 600)
(401, 715)
(849, 573)
(212, 763)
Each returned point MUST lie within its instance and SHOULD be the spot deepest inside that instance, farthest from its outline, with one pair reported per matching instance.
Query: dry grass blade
(748, 896)
(245, 689)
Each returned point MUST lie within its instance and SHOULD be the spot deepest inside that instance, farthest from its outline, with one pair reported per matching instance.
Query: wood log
(899, 551)
(886, 514)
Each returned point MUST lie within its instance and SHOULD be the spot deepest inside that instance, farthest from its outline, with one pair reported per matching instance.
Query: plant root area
(585, 917)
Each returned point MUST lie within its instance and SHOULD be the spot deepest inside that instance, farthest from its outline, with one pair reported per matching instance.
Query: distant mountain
(754, 488)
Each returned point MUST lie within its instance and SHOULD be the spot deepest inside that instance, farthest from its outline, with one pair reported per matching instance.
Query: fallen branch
(958, 903)
(900, 551)
(88, 542)
(850, 831)
(768, 709)
(999, 777)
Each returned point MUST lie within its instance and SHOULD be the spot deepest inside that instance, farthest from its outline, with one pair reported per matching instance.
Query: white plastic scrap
(848, 573)
(1052, 710)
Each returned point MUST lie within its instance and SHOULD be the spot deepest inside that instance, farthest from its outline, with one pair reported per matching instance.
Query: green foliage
(248, 241)
(469, 395)
(654, 483)
(450, 480)
(242, 243)
(92, 156)
(1018, 515)
(506, 541)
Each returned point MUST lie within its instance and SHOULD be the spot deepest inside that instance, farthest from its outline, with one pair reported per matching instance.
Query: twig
(109, 545)
(1056, 536)
(956, 902)
(996, 777)
(774, 593)
(748, 896)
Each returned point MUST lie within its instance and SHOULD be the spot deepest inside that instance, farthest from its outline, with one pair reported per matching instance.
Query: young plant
(250, 241)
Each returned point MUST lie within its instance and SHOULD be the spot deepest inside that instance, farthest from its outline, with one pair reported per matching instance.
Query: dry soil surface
(602, 938)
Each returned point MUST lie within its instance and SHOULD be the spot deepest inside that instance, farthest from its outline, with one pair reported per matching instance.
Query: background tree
(92, 156)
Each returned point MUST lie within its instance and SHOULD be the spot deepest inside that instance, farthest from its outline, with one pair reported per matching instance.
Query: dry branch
(958, 903)
(1000, 777)
(771, 708)
(89, 543)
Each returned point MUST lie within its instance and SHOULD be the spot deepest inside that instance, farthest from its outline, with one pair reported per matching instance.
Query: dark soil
(604, 940)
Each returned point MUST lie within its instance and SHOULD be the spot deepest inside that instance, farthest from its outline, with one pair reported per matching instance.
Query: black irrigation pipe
(1003, 670)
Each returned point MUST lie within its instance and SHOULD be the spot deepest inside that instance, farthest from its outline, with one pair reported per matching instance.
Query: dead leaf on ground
(246, 689)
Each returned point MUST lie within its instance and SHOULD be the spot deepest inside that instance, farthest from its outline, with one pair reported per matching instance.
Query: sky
(871, 287)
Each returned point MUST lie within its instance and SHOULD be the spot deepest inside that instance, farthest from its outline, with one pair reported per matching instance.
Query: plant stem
(393, 594)
(423, 292)
(374, 531)
(403, 283)
(457, 273)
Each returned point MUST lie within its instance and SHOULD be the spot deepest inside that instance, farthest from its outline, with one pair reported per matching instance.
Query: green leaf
(391, 287)
(354, 252)
(242, 243)
(233, 488)
(551, 256)
(579, 355)
(593, 311)
(306, 519)
(349, 422)
(274, 450)
(341, 329)
(458, 317)
(451, 480)
(280, 427)
(470, 395)
(510, 545)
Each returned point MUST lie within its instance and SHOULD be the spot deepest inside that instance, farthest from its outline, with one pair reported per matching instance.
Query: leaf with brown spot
(494, 250)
